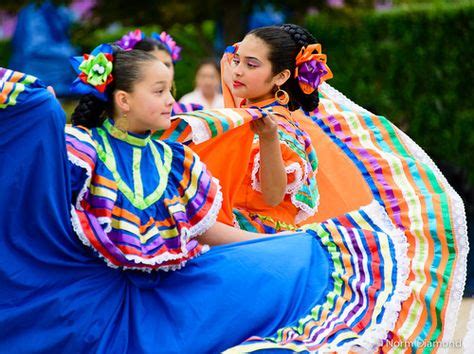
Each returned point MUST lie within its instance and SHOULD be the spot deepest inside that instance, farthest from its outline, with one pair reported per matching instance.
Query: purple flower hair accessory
(173, 49)
(129, 40)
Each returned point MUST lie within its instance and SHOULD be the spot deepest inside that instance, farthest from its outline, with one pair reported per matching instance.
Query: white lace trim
(295, 186)
(340, 98)
(256, 167)
(458, 211)
(373, 339)
(305, 211)
(153, 261)
(468, 341)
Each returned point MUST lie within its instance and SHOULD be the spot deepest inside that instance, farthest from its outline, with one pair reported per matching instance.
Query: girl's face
(252, 71)
(148, 106)
(165, 58)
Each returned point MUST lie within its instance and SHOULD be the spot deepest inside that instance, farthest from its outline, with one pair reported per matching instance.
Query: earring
(282, 96)
(122, 126)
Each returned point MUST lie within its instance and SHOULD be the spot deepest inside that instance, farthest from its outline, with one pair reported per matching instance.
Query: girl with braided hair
(276, 69)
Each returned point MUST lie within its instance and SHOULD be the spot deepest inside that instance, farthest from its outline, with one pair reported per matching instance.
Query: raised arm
(272, 169)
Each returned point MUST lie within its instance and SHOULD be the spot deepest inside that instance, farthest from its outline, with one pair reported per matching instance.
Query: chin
(239, 92)
(163, 125)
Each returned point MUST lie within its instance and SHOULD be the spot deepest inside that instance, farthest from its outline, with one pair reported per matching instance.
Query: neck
(128, 125)
(256, 100)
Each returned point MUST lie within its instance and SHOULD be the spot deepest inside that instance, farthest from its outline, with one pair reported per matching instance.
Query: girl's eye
(235, 61)
(251, 65)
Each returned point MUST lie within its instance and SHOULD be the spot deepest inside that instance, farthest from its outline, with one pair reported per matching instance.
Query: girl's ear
(280, 78)
(122, 100)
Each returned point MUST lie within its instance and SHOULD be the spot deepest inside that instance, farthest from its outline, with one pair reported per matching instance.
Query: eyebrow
(159, 82)
(251, 58)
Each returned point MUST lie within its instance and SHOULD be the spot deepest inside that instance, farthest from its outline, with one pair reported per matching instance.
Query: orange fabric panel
(341, 185)
(227, 158)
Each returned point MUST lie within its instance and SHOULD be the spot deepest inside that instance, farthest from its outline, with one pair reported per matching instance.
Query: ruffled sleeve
(301, 164)
(82, 156)
(296, 168)
(200, 193)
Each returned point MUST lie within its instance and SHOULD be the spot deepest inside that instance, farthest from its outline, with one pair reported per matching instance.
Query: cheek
(153, 105)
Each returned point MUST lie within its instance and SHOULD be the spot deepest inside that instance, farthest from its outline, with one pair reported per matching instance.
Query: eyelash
(236, 61)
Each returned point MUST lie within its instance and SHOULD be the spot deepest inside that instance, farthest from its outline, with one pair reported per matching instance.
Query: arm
(272, 168)
(220, 234)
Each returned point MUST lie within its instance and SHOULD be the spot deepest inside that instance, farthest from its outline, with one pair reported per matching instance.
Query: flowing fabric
(364, 159)
(337, 285)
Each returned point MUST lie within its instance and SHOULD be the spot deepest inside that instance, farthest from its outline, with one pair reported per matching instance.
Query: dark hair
(211, 62)
(285, 42)
(127, 66)
(150, 44)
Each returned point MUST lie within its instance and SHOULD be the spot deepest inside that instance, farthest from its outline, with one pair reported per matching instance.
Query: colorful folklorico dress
(364, 166)
(139, 203)
(301, 195)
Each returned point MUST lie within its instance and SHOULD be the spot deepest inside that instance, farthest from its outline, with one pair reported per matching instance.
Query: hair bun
(88, 112)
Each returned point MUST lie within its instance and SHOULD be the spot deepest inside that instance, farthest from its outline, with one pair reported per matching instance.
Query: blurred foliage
(5, 52)
(413, 64)
(232, 15)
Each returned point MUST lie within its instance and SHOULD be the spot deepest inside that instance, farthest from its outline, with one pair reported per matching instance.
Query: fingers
(50, 89)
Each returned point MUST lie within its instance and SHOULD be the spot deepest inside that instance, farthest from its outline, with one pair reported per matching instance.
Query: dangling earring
(122, 126)
(282, 96)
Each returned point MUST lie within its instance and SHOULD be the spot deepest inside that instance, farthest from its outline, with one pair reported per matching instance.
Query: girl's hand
(266, 128)
(50, 89)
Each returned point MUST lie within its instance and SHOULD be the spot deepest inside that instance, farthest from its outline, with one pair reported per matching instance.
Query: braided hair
(285, 42)
(127, 71)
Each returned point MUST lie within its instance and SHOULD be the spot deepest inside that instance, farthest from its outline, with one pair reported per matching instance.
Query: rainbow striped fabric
(370, 269)
(201, 126)
(419, 201)
(134, 217)
(12, 83)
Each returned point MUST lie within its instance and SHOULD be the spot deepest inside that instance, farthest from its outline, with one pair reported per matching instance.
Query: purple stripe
(81, 146)
(134, 241)
(199, 199)
(100, 202)
(180, 217)
(3, 72)
(357, 256)
(103, 238)
(254, 113)
(372, 161)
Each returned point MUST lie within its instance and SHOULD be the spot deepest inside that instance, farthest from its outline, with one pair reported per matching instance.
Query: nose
(170, 100)
(237, 71)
